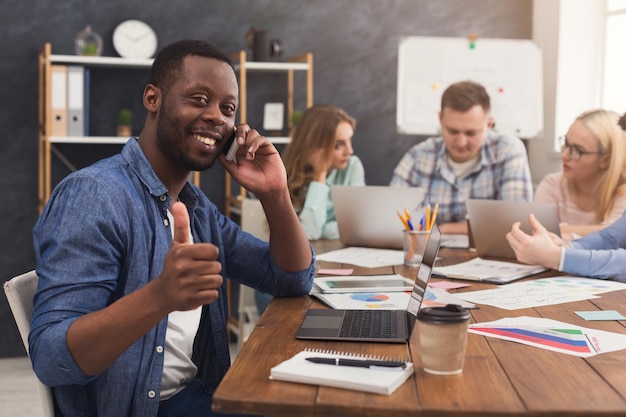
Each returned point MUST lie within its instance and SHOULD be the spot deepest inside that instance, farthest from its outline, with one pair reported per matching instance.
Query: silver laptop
(377, 325)
(366, 216)
(491, 220)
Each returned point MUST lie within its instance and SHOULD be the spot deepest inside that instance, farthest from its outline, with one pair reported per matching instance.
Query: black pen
(357, 362)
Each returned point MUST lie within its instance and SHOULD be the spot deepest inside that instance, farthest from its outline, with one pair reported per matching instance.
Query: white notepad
(375, 379)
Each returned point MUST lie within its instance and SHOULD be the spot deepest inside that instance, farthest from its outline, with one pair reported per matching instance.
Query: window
(614, 65)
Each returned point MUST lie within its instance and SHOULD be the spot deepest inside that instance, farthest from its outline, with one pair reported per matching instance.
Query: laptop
(367, 215)
(491, 220)
(377, 325)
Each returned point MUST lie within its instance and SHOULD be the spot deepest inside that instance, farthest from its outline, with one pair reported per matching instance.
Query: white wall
(570, 34)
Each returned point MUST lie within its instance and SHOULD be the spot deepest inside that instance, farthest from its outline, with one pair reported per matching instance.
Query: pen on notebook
(357, 362)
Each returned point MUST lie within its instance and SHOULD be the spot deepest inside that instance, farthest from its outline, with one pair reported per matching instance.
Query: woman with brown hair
(319, 155)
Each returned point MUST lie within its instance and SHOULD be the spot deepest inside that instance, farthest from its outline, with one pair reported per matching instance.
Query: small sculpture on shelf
(124, 123)
(263, 48)
(88, 42)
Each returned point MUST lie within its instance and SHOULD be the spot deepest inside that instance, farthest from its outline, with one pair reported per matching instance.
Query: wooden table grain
(499, 378)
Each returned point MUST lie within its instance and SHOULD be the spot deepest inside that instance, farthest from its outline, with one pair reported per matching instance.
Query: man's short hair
(464, 95)
(168, 65)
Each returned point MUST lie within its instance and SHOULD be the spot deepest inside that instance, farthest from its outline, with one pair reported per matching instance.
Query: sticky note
(600, 315)
(447, 285)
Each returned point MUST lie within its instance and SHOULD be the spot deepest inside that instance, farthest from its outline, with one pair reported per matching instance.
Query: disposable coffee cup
(443, 337)
(414, 245)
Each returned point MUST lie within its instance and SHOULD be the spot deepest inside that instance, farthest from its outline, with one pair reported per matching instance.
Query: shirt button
(159, 349)
(163, 197)
(166, 222)
(151, 394)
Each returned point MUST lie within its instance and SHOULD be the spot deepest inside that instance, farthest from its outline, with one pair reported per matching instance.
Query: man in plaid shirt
(468, 160)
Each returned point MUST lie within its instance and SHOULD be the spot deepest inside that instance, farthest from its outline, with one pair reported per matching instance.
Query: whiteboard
(510, 71)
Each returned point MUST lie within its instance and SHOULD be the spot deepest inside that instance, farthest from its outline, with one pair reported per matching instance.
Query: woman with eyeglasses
(590, 191)
(601, 254)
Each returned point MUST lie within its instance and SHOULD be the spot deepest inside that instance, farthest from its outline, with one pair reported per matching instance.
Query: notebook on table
(376, 325)
(308, 367)
(366, 216)
(491, 220)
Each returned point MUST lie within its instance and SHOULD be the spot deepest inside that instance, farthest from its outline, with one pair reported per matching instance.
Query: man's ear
(152, 98)
(490, 122)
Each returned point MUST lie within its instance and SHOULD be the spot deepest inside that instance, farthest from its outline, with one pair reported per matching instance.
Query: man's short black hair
(168, 65)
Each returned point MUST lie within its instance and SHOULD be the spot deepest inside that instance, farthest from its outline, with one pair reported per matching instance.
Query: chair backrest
(20, 291)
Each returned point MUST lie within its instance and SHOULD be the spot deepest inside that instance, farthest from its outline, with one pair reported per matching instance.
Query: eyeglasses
(575, 152)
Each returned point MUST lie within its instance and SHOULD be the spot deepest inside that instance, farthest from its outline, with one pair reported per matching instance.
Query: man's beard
(174, 150)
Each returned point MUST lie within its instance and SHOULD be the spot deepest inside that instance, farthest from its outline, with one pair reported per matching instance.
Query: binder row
(69, 100)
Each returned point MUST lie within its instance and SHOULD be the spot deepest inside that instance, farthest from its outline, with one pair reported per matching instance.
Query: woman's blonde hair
(605, 127)
(316, 130)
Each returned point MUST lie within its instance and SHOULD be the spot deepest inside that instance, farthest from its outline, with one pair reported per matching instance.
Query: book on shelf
(364, 373)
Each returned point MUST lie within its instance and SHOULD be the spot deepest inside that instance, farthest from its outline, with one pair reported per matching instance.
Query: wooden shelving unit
(46, 140)
(242, 66)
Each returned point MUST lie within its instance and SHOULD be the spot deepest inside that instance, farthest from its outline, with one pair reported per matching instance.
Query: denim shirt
(104, 234)
(601, 254)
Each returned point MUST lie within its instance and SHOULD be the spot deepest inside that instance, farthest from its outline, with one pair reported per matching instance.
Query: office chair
(20, 291)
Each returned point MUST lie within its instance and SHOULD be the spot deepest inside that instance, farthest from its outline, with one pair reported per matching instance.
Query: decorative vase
(88, 42)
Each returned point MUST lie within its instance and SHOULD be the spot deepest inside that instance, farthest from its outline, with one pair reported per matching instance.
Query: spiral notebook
(376, 379)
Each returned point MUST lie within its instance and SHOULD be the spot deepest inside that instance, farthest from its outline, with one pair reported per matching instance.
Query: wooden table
(500, 378)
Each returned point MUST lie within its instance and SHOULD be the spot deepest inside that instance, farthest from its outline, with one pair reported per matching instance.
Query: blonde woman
(319, 155)
(590, 191)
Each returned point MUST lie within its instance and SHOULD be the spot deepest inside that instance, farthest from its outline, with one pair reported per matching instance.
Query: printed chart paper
(542, 292)
(552, 335)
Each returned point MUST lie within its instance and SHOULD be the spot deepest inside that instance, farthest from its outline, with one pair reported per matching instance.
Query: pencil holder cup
(414, 245)
(443, 338)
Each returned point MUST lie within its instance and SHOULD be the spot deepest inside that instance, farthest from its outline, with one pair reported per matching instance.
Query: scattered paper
(600, 315)
(365, 257)
(434, 297)
(524, 295)
(552, 335)
(578, 284)
(347, 271)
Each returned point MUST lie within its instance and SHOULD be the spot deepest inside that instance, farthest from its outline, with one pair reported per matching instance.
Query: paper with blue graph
(542, 292)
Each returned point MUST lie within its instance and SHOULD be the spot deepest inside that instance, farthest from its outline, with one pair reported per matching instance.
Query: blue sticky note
(600, 315)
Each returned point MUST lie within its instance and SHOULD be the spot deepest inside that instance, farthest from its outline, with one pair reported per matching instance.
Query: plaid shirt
(502, 173)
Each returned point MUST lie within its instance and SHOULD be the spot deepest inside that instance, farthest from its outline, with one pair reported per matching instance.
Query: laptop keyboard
(369, 324)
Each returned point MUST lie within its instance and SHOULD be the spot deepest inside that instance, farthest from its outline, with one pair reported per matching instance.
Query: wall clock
(134, 39)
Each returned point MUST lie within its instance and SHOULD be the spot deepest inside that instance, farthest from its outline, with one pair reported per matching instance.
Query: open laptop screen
(424, 271)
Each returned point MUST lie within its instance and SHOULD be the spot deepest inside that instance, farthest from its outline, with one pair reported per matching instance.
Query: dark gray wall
(355, 52)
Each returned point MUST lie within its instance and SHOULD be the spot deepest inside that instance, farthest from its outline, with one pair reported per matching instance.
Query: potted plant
(124, 122)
